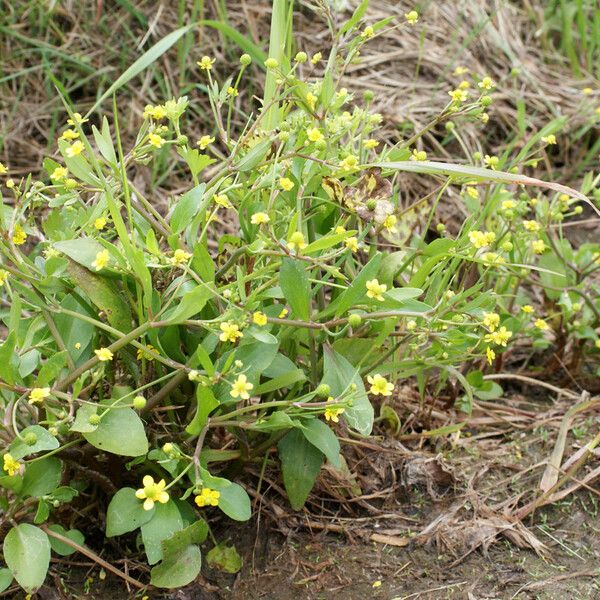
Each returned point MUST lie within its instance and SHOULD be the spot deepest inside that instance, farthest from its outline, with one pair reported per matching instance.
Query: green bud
(323, 390)
(245, 60)
(476, 156)
(271, 63)
(485, 100)
(182, 140)
(301, 57)
(576, 306)
(284, 136)
(139, 402)
(576, 324)
(94, 419)
(515, 72)
(168, 448)
(371, 204)
(352, 387)
(450, 126)
(578, 210)
(368, 95)
(440, 227)
(514, 170)
(53, 431)
(354, 320)
(30, 438)
(507, 246)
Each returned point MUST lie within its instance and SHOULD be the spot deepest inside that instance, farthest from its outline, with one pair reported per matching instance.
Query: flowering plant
(272, 305)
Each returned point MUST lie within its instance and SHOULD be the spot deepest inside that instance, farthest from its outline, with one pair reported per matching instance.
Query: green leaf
(61, 547)
(104, 142)
(225, 558)
(356, 290)
(322, 437)
(51, 368)
(126, 513)
(205, 404)
(45, 441)
(191, 304)
(41, 477)
(165, 522)
(142, 63)
(254, 156)
(300, 464)
(339, 374)
(195, 533)
(234, 501)
(357, 15)
(7, 358)
(27, 553)
(285, 380)
(5, 579)
(187, 207)
(178, 569)
(476, 174)
(294, 283)
(327, 241)
(120, 431)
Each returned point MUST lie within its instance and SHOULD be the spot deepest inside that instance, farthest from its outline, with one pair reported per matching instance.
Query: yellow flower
(538, 246)
(75, 149)
(349, 163)
(351, 243)
(499, 337)
(533, 226)
(205, 141)
(152, 492)
(412, 17)
(3, 276)
(231, 91)
(230, 332)
(316, 58)
(390, 223)
(283, 313)
(490, 355)
(143, 353)
(464, 85)
(69, 135)
(241, 387)
(491, 320)
(370, 144)
(340, 229)
(458, 95)
(314, 134)
(527, 309)
(311, 101)
(3, 169)
(509, 205)
(222, 200)
(208, 497)
(549, 139)
(206, 63)
(491, 161)
(586, 91)
(156, 140)
(100, 223)
(380, 385)
(10, 184)
(367, 33)
(38, 395)
(296, 241)
(333, 413)
(472, 192)
(541, 325)
(179, 257)
(418, 155)
(482, 239)
(19, 236)
(76, 120)
(11, 466)
(460, 71)
(104, 354)
(487, 83)
(155, 112)
(376, 289)
(259, 218)
(102, 259)
(259, 318)
(286, 184)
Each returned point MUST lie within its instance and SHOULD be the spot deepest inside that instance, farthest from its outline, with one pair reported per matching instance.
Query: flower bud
(245, 60)
(323, 390)
(301, 57)
(354, 320)
(30, 438)
(94, 419)
(139, 402)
